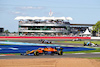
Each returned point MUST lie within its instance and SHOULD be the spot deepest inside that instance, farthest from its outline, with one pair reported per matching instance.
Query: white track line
(2, 55)
(13, 48)
(78, 53)
(83, 53)
(95, 53)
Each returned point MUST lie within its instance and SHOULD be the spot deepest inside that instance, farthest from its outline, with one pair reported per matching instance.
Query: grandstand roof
(83, 24)
(42, 18)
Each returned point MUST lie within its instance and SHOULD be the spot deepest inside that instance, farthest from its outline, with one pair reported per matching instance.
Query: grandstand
(49, 26)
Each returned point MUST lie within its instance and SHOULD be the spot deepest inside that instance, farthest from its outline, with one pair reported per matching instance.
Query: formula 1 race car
(45, 41)
(76, 39)
(45, 51)
(90, 44)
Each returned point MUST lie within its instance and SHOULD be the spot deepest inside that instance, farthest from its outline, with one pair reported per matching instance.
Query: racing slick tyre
(36, 53)
(89, 44)
(60, 52)
(50, 42)
(84, 44)
(96, 44)
(23, 54)
(42, 41)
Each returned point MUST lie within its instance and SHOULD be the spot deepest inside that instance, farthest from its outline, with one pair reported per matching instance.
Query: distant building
(48, 26)
(43, 26)
(1, 30)
(80, 28)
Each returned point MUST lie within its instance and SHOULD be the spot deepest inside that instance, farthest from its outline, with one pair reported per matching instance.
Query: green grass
(88, 51)
(10, 53)
(93, 57)
(6, 44)
(76, 42)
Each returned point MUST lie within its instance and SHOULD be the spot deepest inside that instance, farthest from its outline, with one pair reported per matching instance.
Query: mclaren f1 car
(45, 51)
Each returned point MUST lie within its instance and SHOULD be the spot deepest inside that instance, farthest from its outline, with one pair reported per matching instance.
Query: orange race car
(50, 50)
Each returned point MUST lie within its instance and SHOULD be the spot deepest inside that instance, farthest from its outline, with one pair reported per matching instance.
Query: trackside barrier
(28, 37)
(95, 37)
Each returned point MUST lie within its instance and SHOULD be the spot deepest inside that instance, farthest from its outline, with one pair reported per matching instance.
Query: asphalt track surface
(49, 56)
(37, 41)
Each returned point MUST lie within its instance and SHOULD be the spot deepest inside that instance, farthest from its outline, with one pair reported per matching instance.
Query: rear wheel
(96, 44)
(60, 52)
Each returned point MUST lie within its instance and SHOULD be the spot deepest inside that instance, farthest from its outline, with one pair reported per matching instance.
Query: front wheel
(23, 54)
(84, 44)
(36, 53)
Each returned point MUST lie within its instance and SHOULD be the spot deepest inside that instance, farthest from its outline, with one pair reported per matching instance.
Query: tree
(96, 27)
(14, 32)
(6, 31)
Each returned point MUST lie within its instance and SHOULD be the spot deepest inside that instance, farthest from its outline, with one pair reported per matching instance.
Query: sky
(82, 11)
